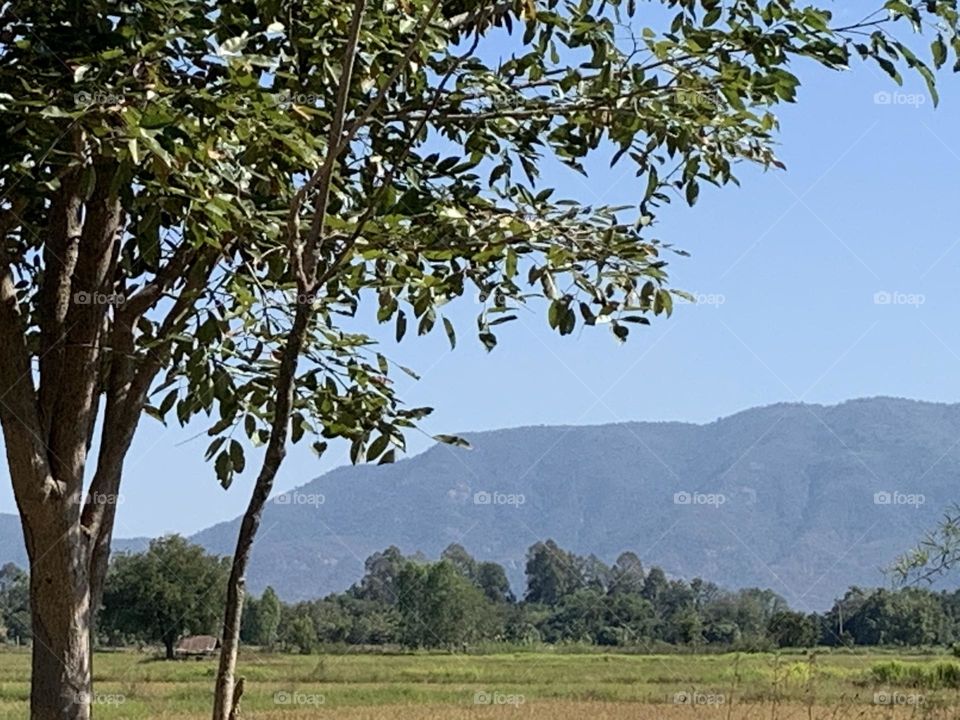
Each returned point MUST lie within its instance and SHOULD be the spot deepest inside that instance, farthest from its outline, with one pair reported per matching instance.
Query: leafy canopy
(159, 161)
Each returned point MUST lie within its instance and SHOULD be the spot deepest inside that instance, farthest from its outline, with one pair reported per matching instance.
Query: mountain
(11, 541)
(804, 499)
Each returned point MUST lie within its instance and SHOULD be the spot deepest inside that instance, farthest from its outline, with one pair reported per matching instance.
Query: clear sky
(793, 262)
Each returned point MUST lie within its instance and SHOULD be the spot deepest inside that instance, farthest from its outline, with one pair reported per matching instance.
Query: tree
(492, 580)
(298, 631)
(439, 607)
(937, 553)
(595, 573)
(14, 604)
(268, 618)
(195, 194)
(655, 585)
(552, 573)
(793, 629)
(627, 575)
(463, 561)
(489, 577)
(379, 583)
(173, 589)
(909, 616)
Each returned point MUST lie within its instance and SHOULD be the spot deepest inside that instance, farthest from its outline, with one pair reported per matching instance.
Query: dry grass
(616, 711)
(539, 685)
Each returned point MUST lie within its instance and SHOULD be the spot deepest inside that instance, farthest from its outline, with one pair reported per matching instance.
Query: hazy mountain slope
(798, 482)
(11, 541)
(798, 511)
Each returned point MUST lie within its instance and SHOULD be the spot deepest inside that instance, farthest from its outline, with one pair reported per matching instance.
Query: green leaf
(452, 440)
(377, 447)
(939, 50)
(236, 456)
(451, 333)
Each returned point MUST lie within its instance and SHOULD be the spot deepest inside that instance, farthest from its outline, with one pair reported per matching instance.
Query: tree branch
(71, 385)
(19, 416)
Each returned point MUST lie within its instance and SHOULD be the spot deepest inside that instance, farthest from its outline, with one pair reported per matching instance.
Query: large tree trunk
(50, 407)
(60, 609)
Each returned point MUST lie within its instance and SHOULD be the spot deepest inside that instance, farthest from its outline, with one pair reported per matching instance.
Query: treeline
(458, 601)
(175, 589)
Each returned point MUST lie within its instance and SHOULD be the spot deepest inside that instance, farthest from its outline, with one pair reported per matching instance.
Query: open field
(524, 685)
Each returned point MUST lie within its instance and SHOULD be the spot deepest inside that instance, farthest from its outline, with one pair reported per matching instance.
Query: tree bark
(224, 692)
(60, 611)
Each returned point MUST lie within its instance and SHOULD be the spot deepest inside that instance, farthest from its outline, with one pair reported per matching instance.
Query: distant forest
(175, 589)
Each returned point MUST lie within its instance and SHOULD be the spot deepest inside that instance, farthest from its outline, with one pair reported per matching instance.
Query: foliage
(172, 589)
(439, 606)
(937, 554)
(261, 619)
(199, 132)
(931, 676)
(14, 604)
(445, 604)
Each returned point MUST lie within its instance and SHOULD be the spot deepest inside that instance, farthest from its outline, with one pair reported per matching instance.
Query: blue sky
(798, 265)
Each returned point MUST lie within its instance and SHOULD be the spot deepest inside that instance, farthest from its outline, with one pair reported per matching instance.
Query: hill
(804, 499)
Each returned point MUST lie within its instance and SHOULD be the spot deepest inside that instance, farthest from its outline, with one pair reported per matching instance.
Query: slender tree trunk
(224, 693)
(61, 682)
(227, 691)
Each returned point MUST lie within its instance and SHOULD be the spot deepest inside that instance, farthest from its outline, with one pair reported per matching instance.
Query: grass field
(523, 685)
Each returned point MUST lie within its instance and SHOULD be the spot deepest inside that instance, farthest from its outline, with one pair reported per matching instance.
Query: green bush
(932, 676)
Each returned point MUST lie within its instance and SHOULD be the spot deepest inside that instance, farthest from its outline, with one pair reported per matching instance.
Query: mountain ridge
(803, 498)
